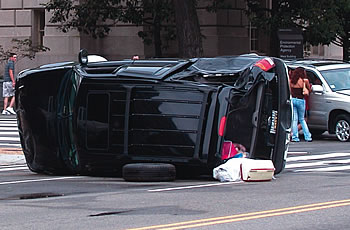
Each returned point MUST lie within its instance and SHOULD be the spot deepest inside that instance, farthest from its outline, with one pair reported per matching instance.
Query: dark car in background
(95, 117)
(329, 101)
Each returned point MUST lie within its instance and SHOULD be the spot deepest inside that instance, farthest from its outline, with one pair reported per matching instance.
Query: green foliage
(322, 21)
(23, 48)
(96, 17)
(215, 5)
(89, 17)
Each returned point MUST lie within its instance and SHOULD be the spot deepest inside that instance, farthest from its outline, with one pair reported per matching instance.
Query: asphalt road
(312, 193)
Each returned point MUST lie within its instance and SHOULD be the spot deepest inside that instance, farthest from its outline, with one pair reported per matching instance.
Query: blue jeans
(299, 114)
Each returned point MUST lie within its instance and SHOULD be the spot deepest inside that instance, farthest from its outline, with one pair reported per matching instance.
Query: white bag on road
(244, 169)
(229, 171)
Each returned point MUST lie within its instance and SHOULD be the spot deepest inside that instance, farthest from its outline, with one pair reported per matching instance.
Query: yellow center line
(249, 216)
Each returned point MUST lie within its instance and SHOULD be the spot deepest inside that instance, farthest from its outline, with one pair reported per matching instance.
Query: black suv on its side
(95, 117)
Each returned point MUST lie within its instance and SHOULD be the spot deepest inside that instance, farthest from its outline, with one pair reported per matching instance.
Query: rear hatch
(259, 116)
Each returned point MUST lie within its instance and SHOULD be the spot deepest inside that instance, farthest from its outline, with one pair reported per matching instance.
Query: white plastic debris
(229, 171)
(244, 169)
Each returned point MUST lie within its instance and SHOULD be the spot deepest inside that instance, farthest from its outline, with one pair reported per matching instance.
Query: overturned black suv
(95, 117)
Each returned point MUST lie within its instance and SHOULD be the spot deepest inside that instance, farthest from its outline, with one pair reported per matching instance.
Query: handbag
(305, 90)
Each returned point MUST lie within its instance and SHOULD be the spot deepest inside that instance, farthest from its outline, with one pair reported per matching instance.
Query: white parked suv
(329, 101)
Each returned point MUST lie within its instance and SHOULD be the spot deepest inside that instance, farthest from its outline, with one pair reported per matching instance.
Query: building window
(38, 27)
(253, 35)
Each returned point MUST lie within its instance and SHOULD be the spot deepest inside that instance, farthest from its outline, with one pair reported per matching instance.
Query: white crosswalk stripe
(9, 137)
(328, 162)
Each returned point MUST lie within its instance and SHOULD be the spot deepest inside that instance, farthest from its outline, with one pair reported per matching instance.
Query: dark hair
(296, 74)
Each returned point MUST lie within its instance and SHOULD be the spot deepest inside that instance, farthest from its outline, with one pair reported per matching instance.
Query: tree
(322, 21)
(97, 17)
(23, 48)
(188, 30)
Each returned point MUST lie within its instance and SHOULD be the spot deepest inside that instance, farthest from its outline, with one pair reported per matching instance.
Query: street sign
(290, 44)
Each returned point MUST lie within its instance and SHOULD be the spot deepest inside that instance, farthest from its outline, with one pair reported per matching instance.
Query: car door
(317, 114)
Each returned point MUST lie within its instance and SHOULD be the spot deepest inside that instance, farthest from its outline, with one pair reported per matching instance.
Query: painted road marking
(13, 169)
(9, 128)
(193, 186)
(9, 139)
(318, 156)
(12, 166)
(10, 145)
(8, 123)
(9, 133)
(249, 216)
(40, 180)
(297, 153)
(318, 163)
(327, 169)
(9, 136)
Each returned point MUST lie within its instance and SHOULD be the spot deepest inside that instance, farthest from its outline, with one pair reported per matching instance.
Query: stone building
(227, 32)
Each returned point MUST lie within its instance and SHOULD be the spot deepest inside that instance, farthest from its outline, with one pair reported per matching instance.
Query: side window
(97, 125)
(314, 80)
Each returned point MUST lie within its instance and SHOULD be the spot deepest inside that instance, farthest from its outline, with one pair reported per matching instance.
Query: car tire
(149, 172)
(342, 127)
(29, 154)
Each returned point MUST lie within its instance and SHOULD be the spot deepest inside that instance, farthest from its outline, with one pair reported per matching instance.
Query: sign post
(290, 44)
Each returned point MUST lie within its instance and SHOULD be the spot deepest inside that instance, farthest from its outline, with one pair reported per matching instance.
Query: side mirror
(83, 57)
(317, 88)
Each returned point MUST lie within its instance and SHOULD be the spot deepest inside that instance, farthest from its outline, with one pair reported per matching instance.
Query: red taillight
(265, 64)
(222, 126)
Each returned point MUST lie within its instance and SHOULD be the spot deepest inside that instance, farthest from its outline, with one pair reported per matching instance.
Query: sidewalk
(11, 156)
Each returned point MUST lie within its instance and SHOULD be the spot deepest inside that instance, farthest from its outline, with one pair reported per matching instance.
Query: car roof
(162, 68)
(319, 64)
(157, 69)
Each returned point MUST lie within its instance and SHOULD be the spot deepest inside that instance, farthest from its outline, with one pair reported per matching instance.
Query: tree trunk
(187, 28)
(157, 37)
(346, 46)
(274, 42)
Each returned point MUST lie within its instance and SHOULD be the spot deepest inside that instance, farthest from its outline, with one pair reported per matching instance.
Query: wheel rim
(342, 130)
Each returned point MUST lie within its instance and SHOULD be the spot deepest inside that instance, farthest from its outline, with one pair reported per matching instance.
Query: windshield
(337, 79)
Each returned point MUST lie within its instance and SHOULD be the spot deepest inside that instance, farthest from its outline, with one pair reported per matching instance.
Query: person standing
(297, 83)
(8, 87)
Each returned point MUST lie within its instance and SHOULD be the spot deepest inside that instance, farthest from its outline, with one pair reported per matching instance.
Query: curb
(11, 151)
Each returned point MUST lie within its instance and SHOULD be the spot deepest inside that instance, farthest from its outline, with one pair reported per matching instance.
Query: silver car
(329, 101)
